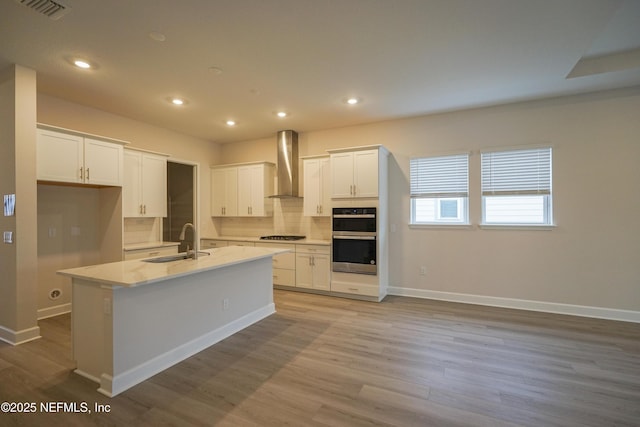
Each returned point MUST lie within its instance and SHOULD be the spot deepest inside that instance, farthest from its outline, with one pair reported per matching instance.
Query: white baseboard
(57, 310)
(520, 304)
(111, 386)
(19, 337)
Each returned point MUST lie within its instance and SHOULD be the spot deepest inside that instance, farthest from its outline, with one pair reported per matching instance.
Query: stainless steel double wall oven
(355, 240)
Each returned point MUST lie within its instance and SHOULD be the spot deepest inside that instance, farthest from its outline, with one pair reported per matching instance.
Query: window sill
(541, 227)
(442, 226)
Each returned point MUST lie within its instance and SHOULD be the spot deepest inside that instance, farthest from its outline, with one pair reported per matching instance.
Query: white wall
(592, 257)
(18, 263)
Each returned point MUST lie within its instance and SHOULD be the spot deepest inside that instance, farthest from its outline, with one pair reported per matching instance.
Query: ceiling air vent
(51, 9)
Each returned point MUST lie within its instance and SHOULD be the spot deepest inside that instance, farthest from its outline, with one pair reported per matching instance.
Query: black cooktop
(282, 237)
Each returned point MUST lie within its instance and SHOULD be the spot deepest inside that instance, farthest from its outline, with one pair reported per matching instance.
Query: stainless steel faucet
(194, 253)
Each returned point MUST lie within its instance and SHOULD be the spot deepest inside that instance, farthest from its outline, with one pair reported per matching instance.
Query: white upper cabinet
(73, 158)
(317, 183)
(354, 174)
(144, 192)
(224, 191)
(242, 190)
(255, 185)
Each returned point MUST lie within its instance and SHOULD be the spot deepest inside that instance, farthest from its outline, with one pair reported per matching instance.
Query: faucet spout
(194, 253)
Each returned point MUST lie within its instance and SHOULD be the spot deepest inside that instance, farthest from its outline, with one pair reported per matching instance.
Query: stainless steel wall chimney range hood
(287, 164)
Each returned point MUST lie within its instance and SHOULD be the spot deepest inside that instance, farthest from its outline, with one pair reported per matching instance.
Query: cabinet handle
(87, 174)
(144, 211)
(354, 289)
(81, 174)
(140, 209)
(154, 253)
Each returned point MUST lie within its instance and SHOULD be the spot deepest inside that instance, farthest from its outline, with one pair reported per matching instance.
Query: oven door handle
(354, 237)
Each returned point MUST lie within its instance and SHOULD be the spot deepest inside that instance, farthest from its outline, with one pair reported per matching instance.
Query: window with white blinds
(439, 189)
(516, 187)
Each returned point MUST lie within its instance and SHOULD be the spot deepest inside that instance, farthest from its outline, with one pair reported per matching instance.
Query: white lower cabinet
(284, 265)
(312, 267)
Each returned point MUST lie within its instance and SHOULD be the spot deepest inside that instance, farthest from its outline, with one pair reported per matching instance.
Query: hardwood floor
(323, 361)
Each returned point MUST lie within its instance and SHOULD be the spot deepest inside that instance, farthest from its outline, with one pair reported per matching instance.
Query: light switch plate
(8, 236)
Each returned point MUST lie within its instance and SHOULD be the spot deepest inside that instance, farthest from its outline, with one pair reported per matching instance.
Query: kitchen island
(133, 319)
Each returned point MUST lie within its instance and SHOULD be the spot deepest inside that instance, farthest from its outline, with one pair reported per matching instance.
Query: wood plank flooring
(323, 361)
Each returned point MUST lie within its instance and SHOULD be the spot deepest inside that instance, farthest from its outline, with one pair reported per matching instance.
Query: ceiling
(247, 59)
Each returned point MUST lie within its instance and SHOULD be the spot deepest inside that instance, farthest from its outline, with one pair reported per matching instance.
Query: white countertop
(138, 272)
(257, 239)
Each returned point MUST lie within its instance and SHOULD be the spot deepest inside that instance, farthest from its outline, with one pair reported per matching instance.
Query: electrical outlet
(225, 304)
(423, 271)
(54, 294)
(8, 236)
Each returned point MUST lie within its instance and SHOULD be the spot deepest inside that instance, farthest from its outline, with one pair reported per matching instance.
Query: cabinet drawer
(313, 249)
(284, 277)
(354, 288)
(150, 252)
(209, 243)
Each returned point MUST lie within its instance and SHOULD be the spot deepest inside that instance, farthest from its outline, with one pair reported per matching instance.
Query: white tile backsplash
(142, 230)
(287, 219)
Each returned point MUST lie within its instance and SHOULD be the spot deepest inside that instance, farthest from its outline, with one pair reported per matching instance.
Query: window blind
(526, 171)
(442, 176)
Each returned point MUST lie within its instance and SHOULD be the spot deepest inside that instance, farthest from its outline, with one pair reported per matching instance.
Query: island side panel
(87, 328)
(157, 325)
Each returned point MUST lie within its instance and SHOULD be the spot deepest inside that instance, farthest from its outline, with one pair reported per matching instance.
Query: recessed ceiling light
(353, 100)
(230, 122)
(82, 64)
(157, 36)
(282, 114)
(216, 70)
(178, 101)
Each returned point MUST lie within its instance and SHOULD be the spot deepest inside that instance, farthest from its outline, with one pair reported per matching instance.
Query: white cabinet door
(321, 272)
(59, 157)
(255, 183)
(342, 175)
(132, 186)
(257, 197)
(144, 191)
(244, 191)
(154, 185)
(354, 174)
(365, 173)
(304, 271)
(311, 175)
(102, 162)
(317, 179)
(224, 192)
